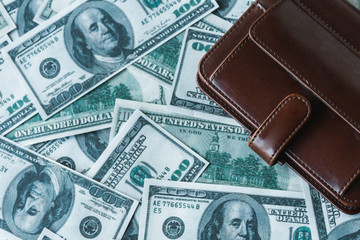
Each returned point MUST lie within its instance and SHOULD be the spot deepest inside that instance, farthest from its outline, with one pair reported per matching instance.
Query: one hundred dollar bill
(186, 93)
(46, 234)
(89, 43)
(221, 141)
(177, 210)
(37, 193)
(332, 224)
(231, 10)
(50, 8)
(6, 23)
(77, 152)
(15, 106)
(92, 112)
(160, 64)
(140, 150)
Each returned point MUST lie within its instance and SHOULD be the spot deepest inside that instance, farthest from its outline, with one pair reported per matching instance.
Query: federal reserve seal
(173, 227)
(49, 68)
(67, 162)
(90, 227)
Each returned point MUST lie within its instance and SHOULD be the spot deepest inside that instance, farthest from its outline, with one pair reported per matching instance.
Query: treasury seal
(49, 68)
(173, 227)
(67, 162)
(90, 227)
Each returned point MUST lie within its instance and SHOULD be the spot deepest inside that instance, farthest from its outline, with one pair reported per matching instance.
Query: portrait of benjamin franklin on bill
(234, 216)
(98, 37)
(41, 196)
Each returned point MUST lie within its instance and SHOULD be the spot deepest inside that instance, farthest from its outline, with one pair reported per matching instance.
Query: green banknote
(221, 141)
(186, 93)
(160, 64)
(140, 150)
(68, 56)
(92, 112)
(37, 193)
(178, 210)
(332, 224)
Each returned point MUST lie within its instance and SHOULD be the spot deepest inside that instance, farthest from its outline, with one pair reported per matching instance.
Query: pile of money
(105, 134)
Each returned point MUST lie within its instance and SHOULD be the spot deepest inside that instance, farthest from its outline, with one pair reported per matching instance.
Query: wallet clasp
(280, 127)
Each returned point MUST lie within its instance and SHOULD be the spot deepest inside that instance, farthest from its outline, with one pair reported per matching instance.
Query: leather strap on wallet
(289, 71)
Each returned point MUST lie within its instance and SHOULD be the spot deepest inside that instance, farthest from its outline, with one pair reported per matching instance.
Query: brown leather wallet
(289, 71)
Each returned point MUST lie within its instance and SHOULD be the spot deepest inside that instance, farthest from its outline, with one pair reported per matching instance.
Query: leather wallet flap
(270, 139)
(318, 56)
(315, 63)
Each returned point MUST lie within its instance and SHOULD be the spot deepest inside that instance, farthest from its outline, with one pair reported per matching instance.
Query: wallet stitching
(325, 192)
(221, 92)
(350, 180)
(297, 73)
(220, 42)
(320, 178)
(291, 134)
(320, 93)
(313, 14)
(229, 109)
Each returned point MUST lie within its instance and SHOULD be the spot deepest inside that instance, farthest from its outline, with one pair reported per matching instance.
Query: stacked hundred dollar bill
(105, 132)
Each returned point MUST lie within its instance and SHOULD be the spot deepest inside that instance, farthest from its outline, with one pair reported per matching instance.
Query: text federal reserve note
(37, 193)
(91, 112)
(15, 106)
(160, 64)
(177, 210)
(332, 224)
(90, 42)
(142, 150)
(186, 93)
(221, 141)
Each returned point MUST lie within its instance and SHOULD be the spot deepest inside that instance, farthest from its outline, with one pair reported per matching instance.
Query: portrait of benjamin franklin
(98, 37)
(234, 216)
(224, 7)
(349, 230)
(40, 197)
(26, 14)
(93, 144)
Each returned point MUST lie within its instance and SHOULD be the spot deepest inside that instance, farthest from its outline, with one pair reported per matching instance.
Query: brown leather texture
(302, 48)
(280, 127)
